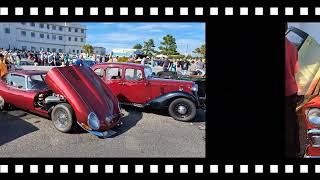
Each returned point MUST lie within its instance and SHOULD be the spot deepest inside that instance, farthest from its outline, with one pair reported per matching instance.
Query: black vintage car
(198, 76)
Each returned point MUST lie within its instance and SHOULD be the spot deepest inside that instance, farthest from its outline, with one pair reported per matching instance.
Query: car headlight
(194, 88)
(313, 116)
(93, 121)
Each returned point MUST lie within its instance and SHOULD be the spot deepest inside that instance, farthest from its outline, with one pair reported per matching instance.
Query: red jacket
(291, 67)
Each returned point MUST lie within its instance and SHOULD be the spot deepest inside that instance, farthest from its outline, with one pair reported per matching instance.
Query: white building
(57, 37)
(99, 50)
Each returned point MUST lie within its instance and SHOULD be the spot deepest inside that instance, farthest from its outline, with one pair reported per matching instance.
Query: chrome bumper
(104, 134)
(305, 156)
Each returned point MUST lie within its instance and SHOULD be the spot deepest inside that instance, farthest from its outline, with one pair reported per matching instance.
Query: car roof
(27, 72)
(121, 63)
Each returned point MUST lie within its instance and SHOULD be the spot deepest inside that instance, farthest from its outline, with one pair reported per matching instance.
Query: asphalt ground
(143, 134)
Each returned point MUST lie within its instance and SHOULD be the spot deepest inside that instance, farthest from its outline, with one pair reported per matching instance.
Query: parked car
(198, 76)
(86, 62)
(89, 63)
(68, 95)
(134, 85)
(26, 63)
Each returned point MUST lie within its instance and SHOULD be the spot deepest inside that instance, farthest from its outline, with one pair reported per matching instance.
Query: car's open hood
(84, 90)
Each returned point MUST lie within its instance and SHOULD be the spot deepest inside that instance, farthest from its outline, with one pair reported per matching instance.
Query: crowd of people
(186, 65)
(46, 58)
(12, 58)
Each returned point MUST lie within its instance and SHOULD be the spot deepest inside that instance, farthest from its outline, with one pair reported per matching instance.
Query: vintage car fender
(163, 101)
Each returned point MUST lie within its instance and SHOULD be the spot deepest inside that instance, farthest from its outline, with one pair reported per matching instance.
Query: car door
(135, 88)
(17, 93)
(113, 78)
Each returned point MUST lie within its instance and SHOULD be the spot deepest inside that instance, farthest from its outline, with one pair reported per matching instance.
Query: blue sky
(124, 35)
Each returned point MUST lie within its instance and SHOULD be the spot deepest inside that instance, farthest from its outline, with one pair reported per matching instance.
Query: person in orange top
(291, 89)
(3, 67)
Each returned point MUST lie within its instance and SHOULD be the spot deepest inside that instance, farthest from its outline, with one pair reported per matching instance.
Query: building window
(53, 27)
(54, 49)
(48, 26)
(75, 39)
(60, 37)
(41, 35)
(24, 48)
(33, 34)
(33, 24)
(82, 30)
(77, 51)
(7, 30)
(75, 30)
(69, 29)
(81, 51)
(48, 36)
(60, 50)
(41, 25)
(23, 23)
(69, 38)
(48, 49)
(73, 51)
(60, 28)
(33, 48)
(54, 37)
(81, 39)
(23, 33)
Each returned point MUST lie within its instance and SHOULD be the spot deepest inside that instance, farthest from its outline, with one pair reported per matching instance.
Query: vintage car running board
(133, 104)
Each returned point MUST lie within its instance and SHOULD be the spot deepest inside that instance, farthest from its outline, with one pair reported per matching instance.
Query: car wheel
(62, 117)
(182, 109)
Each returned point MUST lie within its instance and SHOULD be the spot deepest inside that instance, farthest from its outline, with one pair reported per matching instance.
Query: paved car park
(143, 134)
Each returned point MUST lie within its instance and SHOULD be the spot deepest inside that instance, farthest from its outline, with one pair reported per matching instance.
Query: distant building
(99, 50)
(57, 37)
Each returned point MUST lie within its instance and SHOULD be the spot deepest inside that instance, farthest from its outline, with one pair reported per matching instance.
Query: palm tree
(88, 49)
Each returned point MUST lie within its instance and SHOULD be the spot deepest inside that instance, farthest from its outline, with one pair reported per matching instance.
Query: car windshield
(148, 72)
(37, 82)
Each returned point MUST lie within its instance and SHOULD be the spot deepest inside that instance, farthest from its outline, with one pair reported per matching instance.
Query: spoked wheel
(182, 109)
(62, 117)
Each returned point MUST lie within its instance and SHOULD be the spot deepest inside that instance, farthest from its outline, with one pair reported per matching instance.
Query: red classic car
(308, 80)
(134, 84)
(67, 95)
